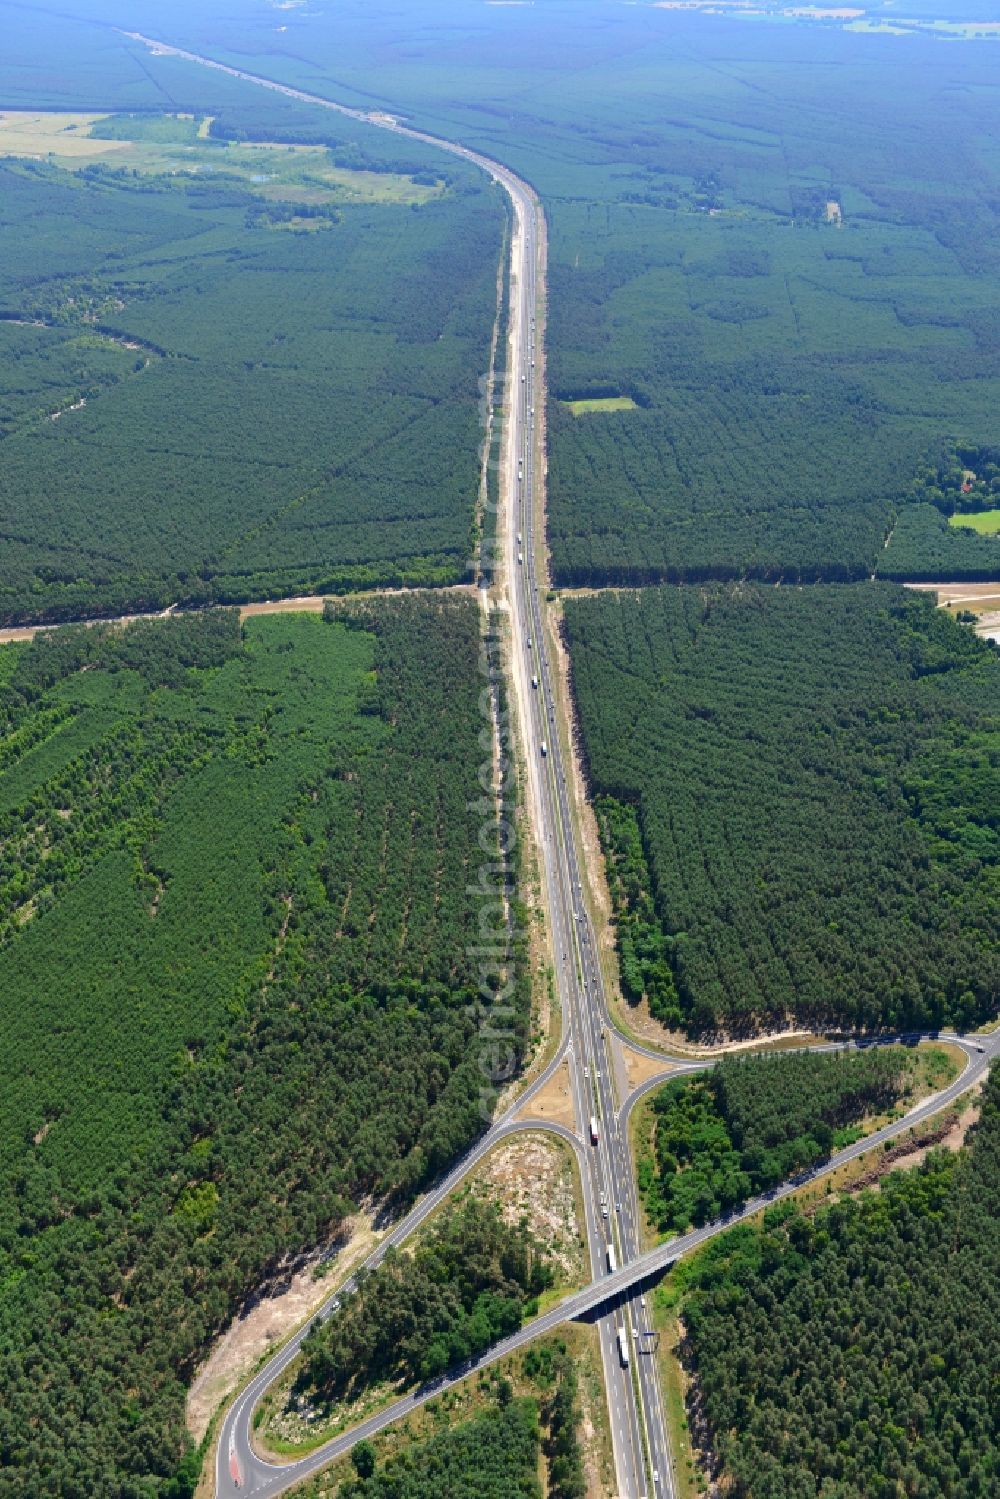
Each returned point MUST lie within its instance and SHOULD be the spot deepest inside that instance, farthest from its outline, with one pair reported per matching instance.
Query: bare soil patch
(554, 1101)
(312, 603)
(639, 1068)
(532, 1178)
(637, 1019)
(972, 596)
(269, 1320)
(952, 1138)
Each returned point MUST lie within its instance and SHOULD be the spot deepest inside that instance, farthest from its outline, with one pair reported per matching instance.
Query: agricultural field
(853, 1317)
(237, 997)
(600, 403)
(207, 400)
(181, 145)
(797, 791)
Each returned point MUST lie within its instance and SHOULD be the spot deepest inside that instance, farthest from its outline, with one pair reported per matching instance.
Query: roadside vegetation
(235, 987)
(754, 1121)
(852, 1347)
(471, 1280)
(491, 1256)
(491, 1437)
(798, 794)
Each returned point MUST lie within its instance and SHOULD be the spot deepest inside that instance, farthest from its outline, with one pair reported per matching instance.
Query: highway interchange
(615, 1296)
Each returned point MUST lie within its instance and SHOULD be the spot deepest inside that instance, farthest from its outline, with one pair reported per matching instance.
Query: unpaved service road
(308, 603)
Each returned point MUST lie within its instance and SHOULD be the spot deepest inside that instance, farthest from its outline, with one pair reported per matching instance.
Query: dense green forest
(469, 1282)
(241, 412)
(960, 480)
(790, 271)
(46, 370)
(527, 1410)
(806, 794)
(752, 1122)
(854, 1351)
(236, 985)
(220, 962)
(493, 1456)
(789, 375)
(925, 548)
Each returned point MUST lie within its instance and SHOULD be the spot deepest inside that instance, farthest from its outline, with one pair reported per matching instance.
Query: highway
(607, 1175)
(619, 1271)
(626, 1284)
(611, 1218)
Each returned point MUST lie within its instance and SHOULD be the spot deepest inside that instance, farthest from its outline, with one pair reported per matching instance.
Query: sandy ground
(531, 1176)
(267, 1322)
(982, 599)
(953, 1140)
(310, 603)
(554, 1101)
(641, 1023)
(640, 1068)
(961, 593)
(592, 866)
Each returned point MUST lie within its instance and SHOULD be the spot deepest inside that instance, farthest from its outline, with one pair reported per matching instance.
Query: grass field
(27, 132)
(179, 145)
(986, 522)
(601, 403)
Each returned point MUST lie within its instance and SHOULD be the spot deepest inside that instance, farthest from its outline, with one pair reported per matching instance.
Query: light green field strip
(301, 174)
(986, 522)
(601, 403)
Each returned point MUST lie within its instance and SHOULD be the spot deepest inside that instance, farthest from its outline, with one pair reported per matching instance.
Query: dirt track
(309, 603)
